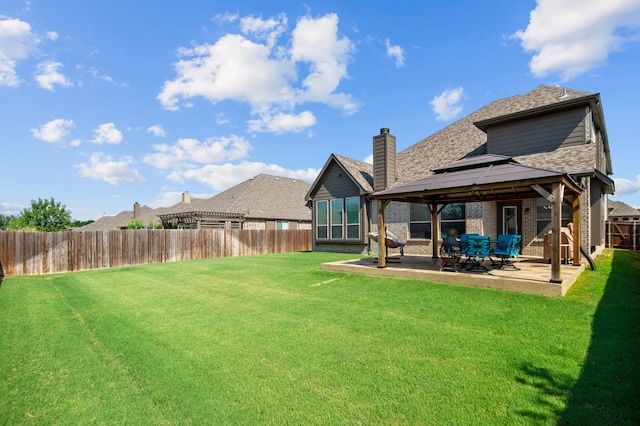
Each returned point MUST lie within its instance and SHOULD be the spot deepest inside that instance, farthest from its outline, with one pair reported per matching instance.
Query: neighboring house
(146, 214)
(548, 138)
(619, 211)
(263, 202)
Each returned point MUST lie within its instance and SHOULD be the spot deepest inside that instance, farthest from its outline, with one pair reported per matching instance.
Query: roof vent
(564, 94)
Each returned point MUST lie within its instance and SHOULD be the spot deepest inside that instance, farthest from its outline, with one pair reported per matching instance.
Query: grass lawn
(272, 339)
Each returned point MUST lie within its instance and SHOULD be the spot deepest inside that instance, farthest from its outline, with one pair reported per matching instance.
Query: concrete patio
(533, 276)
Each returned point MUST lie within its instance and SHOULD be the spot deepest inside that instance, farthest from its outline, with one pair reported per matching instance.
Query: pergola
(488, 178)
(197, 219)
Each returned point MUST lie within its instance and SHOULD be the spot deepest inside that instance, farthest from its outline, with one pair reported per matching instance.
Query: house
(619, 211)
(504, 168)
(262, 202)
(145, 214)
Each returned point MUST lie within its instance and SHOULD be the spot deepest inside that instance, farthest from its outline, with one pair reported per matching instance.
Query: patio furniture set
(476, 249)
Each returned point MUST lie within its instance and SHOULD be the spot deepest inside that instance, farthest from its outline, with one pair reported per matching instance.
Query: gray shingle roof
(620, 209)
(264, 196)
(121, 220)
(463, 138)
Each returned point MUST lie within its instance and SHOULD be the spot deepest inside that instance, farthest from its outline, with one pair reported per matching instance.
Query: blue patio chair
(507, 248)
(478, 249)
(464, 246)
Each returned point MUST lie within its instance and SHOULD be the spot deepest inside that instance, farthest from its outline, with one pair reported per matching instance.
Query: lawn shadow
(608, 389)
(550, 387)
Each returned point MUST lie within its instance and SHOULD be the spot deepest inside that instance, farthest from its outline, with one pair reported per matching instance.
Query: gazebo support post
(382, 247)
(556, 239)
(576, 229)
(435, 229)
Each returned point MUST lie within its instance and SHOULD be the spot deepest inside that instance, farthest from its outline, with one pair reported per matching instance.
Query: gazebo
(488, 178)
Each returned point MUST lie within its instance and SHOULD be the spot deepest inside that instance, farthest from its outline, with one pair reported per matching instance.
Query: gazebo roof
(479, 178)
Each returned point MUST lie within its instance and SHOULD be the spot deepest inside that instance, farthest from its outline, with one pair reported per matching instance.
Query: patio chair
(464, 246)
(450, 254)
(507, 248)
(478, 249)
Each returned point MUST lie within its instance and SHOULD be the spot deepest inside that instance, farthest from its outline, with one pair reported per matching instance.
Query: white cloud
(447, 105)
(626, 186)
(266, 30)
(263, 73)
(10, 209)
(222, 118)
(281, 123)
(17, 42)
(368, 159)
(104, 167)
(222, 18)
(107, 133)
(157, 130)
(48, 76)
(570, 38)
(54, 131)
(316, 42)
(224, 176)
(395, 52)
(191, 152)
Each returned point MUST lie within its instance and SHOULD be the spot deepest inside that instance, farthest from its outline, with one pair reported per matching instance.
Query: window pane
(353, 210)
(420, 230)
(543, 216)
(282, 224)
(419, 213)
(322, 232)
(336, 232)
(453, 212)
(322, 213)
(336, 212)
(353, 232)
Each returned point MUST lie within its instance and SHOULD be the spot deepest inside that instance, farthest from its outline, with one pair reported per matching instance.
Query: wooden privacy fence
(623, 234)
(34, 253)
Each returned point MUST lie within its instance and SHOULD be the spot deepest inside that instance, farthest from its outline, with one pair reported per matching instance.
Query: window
(452, 220)
(353, 218)
(338, 219)
(322, 220)
(419, 221)
(282, 224)
(543, 216)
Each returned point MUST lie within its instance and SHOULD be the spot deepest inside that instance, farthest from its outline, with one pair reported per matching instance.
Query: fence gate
(623, 234)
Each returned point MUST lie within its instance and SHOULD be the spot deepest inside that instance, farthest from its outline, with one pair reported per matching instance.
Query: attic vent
(277, 178)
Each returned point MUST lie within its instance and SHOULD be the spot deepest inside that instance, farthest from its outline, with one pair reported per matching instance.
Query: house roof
(620, 209)
(361, 173)
(121, 220)
(464, 138)
(483, 177)
(261, 197)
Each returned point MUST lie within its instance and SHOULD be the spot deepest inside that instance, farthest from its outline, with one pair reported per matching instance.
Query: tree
(44, 215)
(5, 220)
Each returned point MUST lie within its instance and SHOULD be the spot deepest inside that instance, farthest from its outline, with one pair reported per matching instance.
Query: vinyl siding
(538, 134)
(336, 184)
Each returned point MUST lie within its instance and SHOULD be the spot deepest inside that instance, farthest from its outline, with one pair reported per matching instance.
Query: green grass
(274, 340)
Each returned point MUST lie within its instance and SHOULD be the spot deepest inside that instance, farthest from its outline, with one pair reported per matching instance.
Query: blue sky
(107, 103)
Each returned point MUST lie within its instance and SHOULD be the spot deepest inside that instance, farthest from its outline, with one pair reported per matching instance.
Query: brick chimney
(186, 197)
(136, 210)
(384, 160)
